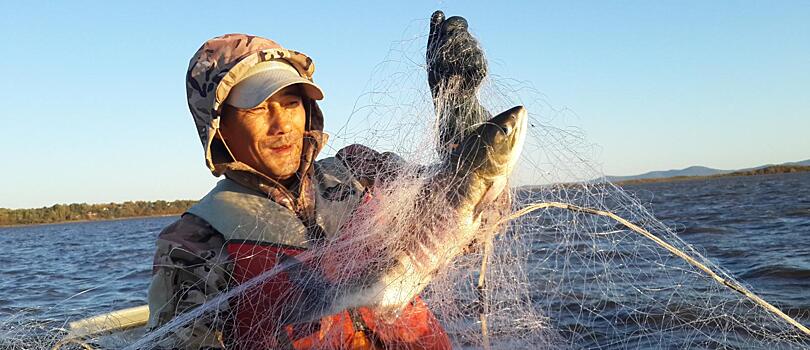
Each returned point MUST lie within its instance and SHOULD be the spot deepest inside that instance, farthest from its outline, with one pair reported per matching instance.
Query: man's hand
(456, 68)
(453, 55)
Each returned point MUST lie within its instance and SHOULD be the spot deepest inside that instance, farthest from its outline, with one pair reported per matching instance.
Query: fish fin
(493, 191)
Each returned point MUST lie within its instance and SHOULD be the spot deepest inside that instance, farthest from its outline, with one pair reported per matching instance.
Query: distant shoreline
(83, 212)
(90, 220)
(770, 170)
(142, 209)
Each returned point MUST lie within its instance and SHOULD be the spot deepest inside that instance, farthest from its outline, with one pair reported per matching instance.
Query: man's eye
(257, 110)
(293, 104)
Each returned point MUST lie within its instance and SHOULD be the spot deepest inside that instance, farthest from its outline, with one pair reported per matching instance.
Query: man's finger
(435, 21)
(454, 23)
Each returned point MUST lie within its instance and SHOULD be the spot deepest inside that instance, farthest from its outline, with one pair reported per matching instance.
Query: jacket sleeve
(191, 266)
(372, 168)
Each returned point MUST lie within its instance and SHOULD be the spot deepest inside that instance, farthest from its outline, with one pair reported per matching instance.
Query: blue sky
(94, 103)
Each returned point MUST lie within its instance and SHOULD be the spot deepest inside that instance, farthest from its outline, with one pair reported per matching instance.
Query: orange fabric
(258, 311)
(415, 328)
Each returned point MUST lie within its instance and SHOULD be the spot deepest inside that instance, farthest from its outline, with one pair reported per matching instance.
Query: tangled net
(554, 278)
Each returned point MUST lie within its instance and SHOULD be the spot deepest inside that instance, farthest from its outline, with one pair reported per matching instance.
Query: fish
(372, 269)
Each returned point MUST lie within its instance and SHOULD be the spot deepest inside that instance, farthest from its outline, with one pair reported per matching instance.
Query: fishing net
(554, 278)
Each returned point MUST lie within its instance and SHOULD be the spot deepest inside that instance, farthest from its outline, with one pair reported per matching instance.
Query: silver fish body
(386, 273)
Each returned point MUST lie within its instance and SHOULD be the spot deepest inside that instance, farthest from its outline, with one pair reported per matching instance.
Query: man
(255, 107)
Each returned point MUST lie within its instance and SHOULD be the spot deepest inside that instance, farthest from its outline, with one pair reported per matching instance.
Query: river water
(757, 228)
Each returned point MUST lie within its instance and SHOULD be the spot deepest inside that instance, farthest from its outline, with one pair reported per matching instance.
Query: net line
(566, 279)
(730, 283)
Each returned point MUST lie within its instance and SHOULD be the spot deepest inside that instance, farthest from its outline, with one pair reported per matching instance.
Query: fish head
(486, 157)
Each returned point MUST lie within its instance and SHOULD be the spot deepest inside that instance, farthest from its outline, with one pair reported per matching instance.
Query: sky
(94, 105)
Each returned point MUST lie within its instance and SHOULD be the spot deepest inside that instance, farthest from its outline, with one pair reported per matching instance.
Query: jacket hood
(220, 64)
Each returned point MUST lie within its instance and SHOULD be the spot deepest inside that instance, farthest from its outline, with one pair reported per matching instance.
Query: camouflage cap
(213, 71)
(265, 79)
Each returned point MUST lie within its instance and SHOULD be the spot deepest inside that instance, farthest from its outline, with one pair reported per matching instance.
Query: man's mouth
(281, 149)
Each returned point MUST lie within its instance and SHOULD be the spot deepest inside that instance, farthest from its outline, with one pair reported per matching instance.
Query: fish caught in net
(552, 278)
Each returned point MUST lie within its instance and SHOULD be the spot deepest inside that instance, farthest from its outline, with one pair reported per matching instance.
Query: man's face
(270, 136)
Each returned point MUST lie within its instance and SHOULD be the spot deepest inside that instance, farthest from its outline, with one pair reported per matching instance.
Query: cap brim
(258, 87)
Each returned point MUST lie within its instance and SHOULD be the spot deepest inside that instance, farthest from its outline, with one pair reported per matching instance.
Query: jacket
(235, 234)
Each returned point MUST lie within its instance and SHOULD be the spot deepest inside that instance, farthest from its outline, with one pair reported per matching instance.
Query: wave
(798, 213)
(688, 230)
(779, 271)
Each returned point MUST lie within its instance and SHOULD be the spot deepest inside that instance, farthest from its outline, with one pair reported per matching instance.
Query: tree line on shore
(84, 211)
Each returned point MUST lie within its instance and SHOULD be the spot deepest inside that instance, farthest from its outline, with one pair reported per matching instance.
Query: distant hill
(802, 163)
(660, 174)
(693, 171)
(766, 170)
(773, 169)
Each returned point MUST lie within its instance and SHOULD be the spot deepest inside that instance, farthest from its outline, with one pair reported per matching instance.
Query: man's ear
(314, 115)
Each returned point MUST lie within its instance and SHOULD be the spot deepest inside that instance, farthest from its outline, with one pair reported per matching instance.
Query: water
(602, 284)
(758, 228)
(52, 274)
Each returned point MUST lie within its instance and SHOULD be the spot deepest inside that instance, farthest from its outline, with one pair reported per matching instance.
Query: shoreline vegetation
(768, 170)
(62, 213)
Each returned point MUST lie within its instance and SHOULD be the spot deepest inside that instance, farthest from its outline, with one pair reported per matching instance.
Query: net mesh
(554, 279)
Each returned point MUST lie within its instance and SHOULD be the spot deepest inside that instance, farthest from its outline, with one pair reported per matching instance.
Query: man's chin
(282, 172)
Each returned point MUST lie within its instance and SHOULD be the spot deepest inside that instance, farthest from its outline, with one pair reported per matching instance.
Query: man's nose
(279, 122)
